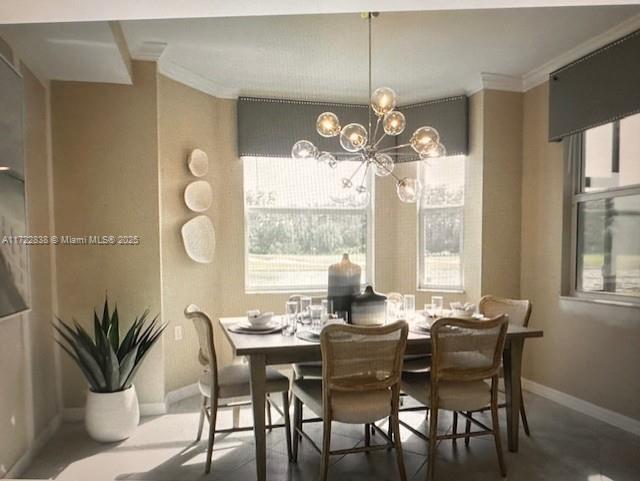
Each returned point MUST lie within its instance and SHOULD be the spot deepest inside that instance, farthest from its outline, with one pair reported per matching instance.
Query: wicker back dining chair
(361, 376)
(220, 385)
(518, 312)
(465, 353)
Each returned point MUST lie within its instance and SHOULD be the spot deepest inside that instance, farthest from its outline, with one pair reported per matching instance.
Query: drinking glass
(437, 302)
(409, 306)
(305, 302)
(327, 306)
(315, 313)
(344, 315)
(290, 321)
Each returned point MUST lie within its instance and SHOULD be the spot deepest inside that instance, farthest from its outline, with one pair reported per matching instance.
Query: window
(440, 224)
(606, 211)
(299, 220)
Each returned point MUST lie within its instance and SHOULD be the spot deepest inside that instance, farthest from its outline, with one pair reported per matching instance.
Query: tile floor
(565, 446)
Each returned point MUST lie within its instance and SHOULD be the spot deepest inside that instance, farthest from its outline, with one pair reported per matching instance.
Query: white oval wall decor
(198, 196)
(198, 162)
(199, 238)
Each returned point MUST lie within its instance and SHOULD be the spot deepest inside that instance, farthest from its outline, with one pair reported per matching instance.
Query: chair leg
(297, 422)
(326, 448)
(523, 415)
(455, 426)
(467, 429)
(212, 432)
(268, 408)
(495, 426)
(203, 410)
(433, 435)
(398, 446)
(367, 435)
(287, 422)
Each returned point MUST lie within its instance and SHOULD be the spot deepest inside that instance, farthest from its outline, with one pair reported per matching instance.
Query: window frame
(369, 271)
(420, 241)
(575, 194)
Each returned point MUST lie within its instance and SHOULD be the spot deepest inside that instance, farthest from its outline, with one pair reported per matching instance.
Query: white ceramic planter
(111, 417)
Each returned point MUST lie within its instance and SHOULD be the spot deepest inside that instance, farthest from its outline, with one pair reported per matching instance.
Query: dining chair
(361, 375)
(222, 385)
(518, 313)
(465, 353)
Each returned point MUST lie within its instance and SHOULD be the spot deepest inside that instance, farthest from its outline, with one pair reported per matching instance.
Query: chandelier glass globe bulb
(362, 196)
(328, 124)
(409, 190)
(384, 164)
(383, 100)
(394, 123)
(326, 158)
(303, 149)
(353, 137)
(424, 139)
(435, 151)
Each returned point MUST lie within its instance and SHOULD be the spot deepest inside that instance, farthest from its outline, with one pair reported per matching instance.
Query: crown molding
(540, 75)
(194, 80)
(495, 81)
(149, 51)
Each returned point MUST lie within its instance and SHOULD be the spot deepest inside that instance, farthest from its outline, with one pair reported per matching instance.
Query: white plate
(198, 162)
(247, 326)
(199, 238)
(198, 196)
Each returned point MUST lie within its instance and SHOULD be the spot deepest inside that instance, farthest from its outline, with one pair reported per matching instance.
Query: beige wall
(105, 158)
(589, 351)
(501, 192)
(29, 395)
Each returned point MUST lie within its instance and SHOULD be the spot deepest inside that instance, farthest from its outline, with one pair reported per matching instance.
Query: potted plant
(109, 365)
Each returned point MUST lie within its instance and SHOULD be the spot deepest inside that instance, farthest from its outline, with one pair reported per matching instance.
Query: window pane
(598, 159)
(442, 234)
(608, 247)
(441, 223)
(630, 150)
(612, 155)
(299, 221)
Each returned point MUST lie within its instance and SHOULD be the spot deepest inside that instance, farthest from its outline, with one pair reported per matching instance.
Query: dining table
(278, 349)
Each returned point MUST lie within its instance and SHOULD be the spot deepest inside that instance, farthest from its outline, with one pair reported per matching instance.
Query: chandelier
(363, 144)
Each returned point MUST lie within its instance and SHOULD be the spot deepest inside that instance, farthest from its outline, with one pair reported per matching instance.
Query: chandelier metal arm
(401, 146)
(375, 132)
(379, 140)
(357, 169)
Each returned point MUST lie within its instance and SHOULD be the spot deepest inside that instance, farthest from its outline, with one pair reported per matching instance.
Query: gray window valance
(596, 89)
(449, 116)
(270, 127)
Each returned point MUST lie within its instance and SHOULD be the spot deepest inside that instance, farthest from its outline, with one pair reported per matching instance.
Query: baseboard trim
(39, 442)
(605, 415)
(148, 409)
(181, 393)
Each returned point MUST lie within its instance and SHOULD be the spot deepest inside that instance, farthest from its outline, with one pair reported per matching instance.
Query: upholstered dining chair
(465, 353)
(361, 375)
(518, 312)
(220, 385)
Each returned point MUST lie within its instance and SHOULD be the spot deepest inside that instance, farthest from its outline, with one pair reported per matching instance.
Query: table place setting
(258, 323)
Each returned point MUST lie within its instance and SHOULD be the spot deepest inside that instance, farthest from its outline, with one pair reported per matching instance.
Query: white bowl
(261, 320)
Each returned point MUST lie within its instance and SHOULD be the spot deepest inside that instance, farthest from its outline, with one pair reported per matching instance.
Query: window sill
(605, 302)
(443, 291)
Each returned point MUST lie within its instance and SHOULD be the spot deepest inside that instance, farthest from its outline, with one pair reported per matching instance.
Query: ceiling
(422, 55)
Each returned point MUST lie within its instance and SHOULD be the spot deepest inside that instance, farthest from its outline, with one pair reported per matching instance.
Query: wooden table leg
(512, 363)
(258, 393)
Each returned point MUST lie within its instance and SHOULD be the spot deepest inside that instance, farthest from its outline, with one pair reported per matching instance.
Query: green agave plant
(108, 364)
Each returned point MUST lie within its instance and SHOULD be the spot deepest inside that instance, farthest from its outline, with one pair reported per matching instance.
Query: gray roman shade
(270, 127)
(596, 89)
(449, 116)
